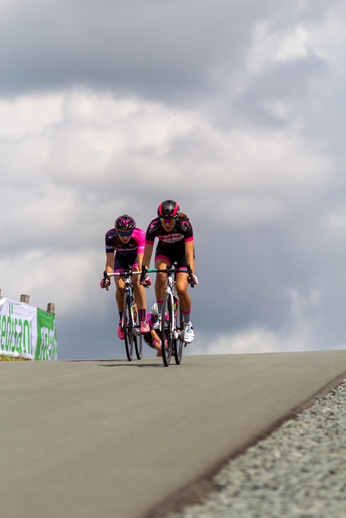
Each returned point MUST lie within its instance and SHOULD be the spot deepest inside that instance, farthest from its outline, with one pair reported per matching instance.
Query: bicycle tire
(128, 331)
(138, 340)
(167, 329)
(179, 342)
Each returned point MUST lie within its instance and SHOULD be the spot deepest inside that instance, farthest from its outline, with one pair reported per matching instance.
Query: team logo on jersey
(155, 224)
(171, 238)
(185, 224)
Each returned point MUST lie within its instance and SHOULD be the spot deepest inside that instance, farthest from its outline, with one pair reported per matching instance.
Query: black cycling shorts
(148, 339)
(124, 262)
(172, 255)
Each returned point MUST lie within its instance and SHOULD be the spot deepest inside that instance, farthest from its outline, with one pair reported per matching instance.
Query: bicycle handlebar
(167, 271)
(126, 273)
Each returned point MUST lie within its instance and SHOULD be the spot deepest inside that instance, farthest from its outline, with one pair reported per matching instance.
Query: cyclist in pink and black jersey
(127, 243)
(176, 244)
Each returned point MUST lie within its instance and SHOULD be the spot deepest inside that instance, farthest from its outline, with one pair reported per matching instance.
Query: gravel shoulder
(298, 471)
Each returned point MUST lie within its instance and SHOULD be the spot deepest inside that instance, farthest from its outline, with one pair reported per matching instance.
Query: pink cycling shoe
(145, 328)
(121, 333)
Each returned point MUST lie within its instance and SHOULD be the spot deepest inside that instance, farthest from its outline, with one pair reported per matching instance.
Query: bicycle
(172, 329)
(131, 321)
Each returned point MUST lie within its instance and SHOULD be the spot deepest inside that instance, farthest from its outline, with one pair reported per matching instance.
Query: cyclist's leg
(139, 292)
(183, 294)
(138, 289)
(141, 302)
(184, 298)
(153, 341)
(182, 284)
(119, 267)
(162, 261)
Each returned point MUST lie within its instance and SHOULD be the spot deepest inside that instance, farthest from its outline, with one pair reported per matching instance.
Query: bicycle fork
(134, 324)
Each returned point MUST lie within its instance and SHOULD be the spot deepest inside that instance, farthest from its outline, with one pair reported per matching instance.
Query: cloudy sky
(236, 110)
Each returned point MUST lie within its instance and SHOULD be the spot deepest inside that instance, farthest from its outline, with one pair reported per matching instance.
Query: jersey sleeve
(151, 232)
(139, 236)
(188, 232)
(109, 241)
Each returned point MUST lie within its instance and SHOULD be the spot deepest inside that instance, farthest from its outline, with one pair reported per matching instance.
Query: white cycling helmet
(154, 310)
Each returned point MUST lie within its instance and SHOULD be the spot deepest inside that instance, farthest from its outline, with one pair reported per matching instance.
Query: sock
(187, 317)
(159, 307)
(142, 314)
(121, 315)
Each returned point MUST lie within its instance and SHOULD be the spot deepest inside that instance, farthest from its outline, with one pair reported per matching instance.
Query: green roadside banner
(46, 346)
(27, 331)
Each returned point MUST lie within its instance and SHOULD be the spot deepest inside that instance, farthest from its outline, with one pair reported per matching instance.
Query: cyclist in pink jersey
(127, 243)
(176, 244)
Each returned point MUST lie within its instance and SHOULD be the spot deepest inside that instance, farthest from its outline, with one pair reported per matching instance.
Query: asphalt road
(114, 439)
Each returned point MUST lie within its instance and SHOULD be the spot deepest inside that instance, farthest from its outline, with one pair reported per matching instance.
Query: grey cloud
(289, 83)
(181, 53)
(248, 274)
(160, 50)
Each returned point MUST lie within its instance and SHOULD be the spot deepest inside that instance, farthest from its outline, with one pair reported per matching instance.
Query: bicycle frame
(127, 274)
(169, 329)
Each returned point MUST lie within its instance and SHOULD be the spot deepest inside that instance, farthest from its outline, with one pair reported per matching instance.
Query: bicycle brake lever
(144, 273)
(190, 276)
(104, 280)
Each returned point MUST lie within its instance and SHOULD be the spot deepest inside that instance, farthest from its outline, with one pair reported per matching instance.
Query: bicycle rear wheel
(128, 331)
(167, 329)
(179, 342)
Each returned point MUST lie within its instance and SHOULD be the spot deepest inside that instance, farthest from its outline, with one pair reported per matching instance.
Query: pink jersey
(134, 247)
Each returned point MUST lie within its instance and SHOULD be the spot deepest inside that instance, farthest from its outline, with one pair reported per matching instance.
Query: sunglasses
(168, 221)
(125, 234)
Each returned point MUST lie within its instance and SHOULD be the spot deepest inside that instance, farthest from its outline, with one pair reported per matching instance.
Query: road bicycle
(131, 320)
(172, 329)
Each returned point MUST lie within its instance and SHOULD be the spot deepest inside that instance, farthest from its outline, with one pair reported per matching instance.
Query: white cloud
(300, 333)
(337, 221)
(270, 45)
(328, 38)
(70, 280)
(29, 114)
(102, 142)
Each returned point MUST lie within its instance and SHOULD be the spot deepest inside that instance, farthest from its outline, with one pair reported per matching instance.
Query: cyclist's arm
(147, 254)
(109, 262)
(189, 254)
(140, 261)
(139, 236)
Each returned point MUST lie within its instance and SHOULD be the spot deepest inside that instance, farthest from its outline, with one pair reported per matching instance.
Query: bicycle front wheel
(179, 342)
(167, 328)
(128, 330)
(138, 339)
(138, 346)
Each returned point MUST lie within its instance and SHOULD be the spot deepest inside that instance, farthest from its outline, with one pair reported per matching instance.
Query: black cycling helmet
(125, 222)
(168, 209)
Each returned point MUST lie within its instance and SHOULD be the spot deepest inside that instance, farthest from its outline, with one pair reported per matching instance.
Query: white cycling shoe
(189, 335)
